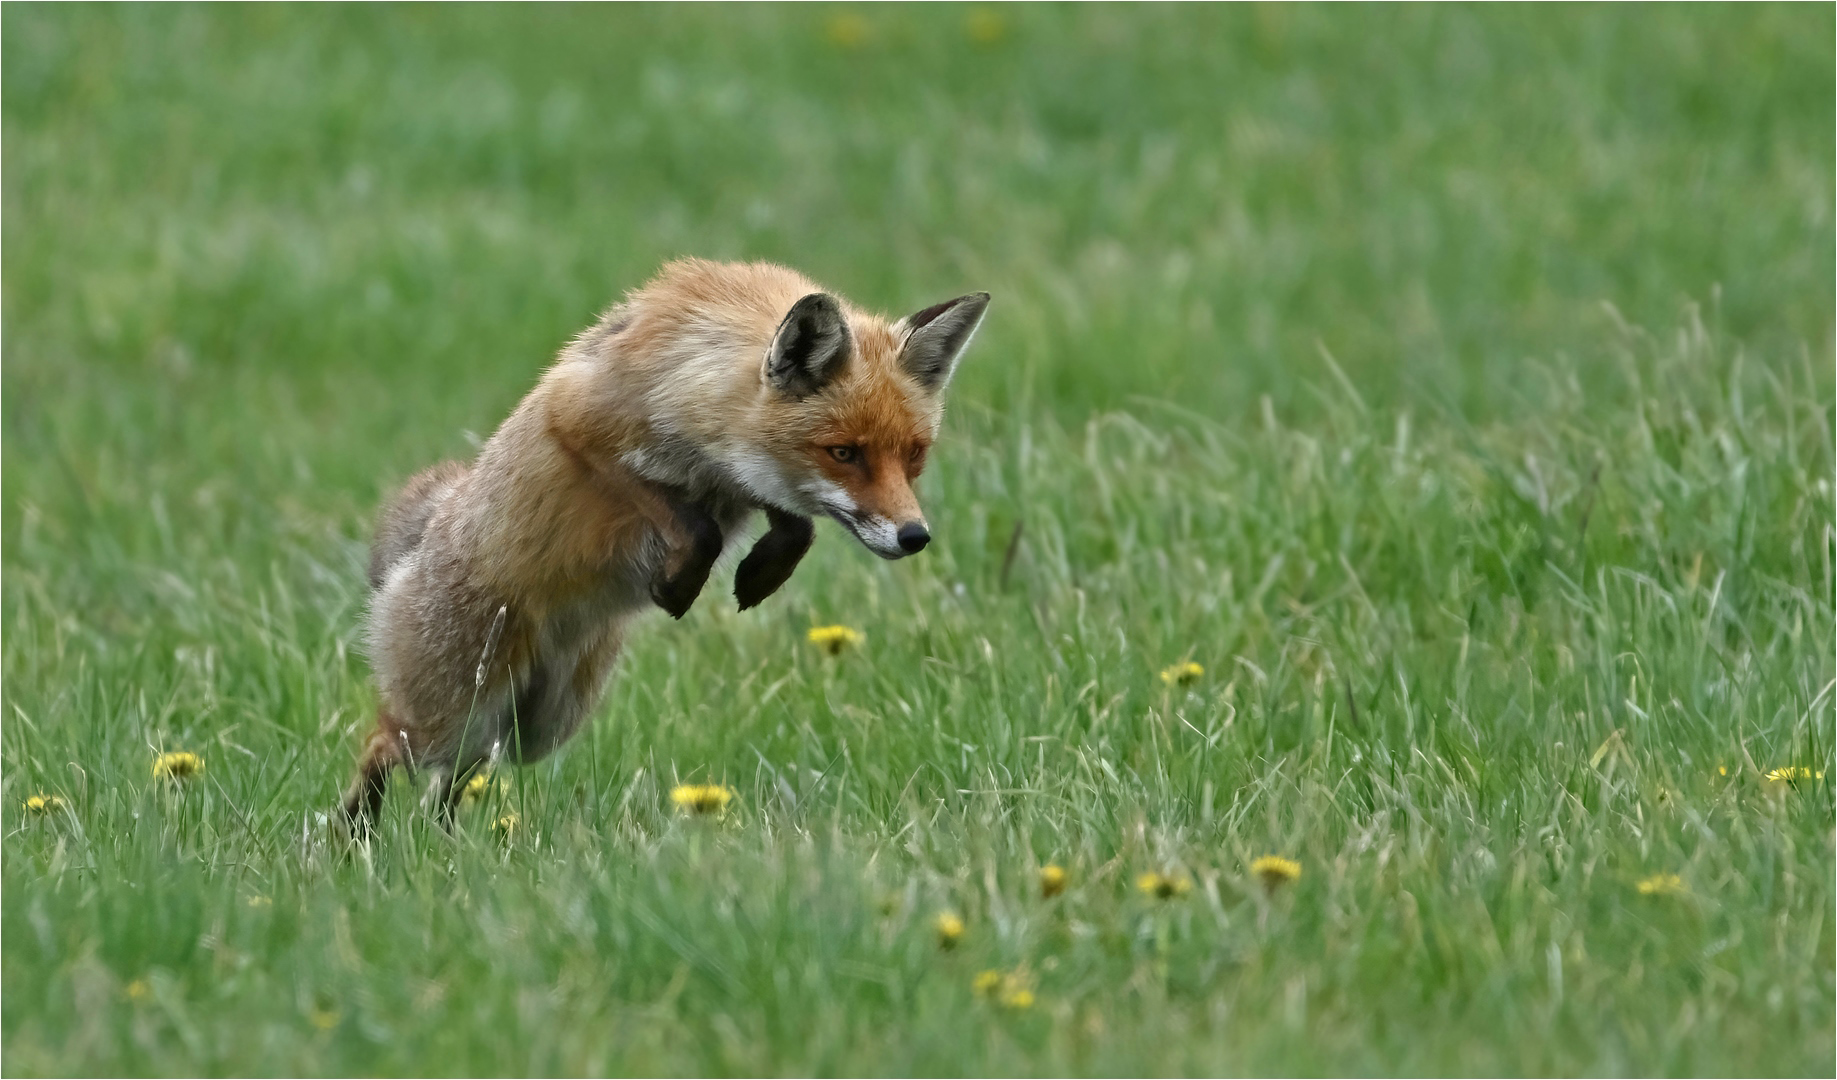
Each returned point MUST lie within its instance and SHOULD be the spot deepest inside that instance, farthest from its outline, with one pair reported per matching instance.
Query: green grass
(1454, 385)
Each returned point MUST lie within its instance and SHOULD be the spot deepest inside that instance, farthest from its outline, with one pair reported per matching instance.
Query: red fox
(501, 590)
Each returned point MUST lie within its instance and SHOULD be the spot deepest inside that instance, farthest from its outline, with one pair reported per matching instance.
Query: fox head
(853, 405)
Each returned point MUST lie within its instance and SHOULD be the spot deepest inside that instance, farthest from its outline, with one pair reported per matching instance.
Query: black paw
(676, 594)
(773, 558)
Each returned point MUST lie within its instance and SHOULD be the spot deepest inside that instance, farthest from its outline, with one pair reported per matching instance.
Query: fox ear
(810, 346)
(937, 336)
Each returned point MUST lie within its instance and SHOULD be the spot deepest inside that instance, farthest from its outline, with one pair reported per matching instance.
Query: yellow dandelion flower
(1274, 871)
(985, 27)
(1182, 674)
(1662, 885)
(847, 30)
(833, 639)
(1164, 886)
(950, 929)
(177, 765)
(507, 825)
(324, 1019)
(1722, 770)
(482, 786)
(138, 990)
(1052, 880)
(702, 798)
(1793, 773)
(1011, 989)
(41, 805)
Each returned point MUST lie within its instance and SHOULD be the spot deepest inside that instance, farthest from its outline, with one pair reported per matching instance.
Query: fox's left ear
(810, 347)
(937, 336)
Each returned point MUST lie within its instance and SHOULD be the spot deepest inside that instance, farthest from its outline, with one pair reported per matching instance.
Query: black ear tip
(816, 303)
(971, 305)
(819, 314)
(919, 320)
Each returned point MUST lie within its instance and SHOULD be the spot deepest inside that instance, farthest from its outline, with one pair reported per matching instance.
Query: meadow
(1451, 387)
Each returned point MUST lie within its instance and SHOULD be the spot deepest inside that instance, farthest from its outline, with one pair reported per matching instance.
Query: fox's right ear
(937, 336)
(810, 347)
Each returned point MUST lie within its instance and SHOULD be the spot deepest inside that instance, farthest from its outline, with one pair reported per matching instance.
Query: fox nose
(913, 537)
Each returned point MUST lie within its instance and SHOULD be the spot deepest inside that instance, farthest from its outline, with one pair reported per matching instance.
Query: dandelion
(985, 27)
(1052, 880)
(42, 805)
(138, 990)
(1662, 885)
(324, 1019)
(1722, 770)
(702, 798)
(1182, 674)
(833, 639)
(480, 787)
(847, 30)
(1274, 871)
(950, 929)
(1163, 886)
(1792, 773)
(178, 765)
(1009, 989)
(506, 825)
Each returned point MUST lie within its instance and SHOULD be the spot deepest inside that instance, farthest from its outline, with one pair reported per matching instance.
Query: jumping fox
(501, 590)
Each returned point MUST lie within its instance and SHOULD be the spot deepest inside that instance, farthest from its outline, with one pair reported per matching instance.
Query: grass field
(1454, 386)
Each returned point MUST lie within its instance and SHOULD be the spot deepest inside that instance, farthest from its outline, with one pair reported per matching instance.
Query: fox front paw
(676, 595)
(773, 558)
(677, 591)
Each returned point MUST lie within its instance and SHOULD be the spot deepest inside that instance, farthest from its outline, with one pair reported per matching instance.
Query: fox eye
(847, 455)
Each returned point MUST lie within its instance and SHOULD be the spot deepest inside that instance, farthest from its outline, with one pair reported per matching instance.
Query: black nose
(913, 538)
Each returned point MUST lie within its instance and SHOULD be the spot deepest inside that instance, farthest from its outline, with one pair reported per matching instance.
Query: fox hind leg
(363, 800)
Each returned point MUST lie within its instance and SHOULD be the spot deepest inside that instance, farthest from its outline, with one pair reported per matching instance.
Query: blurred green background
(1184, 203)
(1468, 368)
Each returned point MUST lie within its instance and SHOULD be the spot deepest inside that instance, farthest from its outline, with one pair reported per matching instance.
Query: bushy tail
(404, 518)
